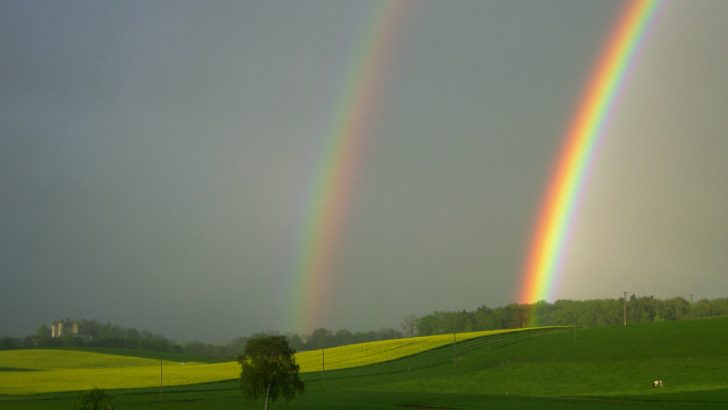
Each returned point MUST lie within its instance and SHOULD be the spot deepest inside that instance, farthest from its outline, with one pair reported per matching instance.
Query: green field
(57, 370)
(607, 367)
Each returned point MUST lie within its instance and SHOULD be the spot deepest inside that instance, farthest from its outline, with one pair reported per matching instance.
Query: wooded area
(581, 313)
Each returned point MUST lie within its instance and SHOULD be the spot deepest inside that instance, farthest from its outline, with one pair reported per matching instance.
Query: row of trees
(98, 334)
(102, 331)
(92, 333)
(319, 338)
(595, 312)
(322, 338)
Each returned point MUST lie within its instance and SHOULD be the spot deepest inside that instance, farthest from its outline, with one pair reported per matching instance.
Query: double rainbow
(354, 115)
(588, 124)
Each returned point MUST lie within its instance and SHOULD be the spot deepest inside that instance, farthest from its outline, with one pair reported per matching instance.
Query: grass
(71, 370)
(600, 368)
(687, 356)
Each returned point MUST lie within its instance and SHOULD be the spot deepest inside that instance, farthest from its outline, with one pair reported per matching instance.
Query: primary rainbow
(585, 129)
(331, 187)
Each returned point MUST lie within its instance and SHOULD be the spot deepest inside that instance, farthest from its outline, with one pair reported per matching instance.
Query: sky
(156, 159)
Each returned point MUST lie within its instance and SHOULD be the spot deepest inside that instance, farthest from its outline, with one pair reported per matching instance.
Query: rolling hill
(55, 370)
(601, 367)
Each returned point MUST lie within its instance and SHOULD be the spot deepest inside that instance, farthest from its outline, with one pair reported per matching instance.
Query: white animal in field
(657, 383)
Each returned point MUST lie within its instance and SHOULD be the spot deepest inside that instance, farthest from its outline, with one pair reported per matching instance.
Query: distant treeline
(321, 338)
(92, 333)
(596, 312)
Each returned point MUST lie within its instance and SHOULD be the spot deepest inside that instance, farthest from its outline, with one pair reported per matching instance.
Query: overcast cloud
(155, 156)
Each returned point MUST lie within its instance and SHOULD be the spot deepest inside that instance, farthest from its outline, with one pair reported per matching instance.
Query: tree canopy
(592, 312)
(94, 399)
(269, 369)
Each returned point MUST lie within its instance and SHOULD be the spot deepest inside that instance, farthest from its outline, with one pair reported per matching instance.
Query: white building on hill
(62, 327)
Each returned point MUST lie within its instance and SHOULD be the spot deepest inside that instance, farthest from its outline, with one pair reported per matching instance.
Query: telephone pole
(454, 365)
(323, 369)
(625, 309)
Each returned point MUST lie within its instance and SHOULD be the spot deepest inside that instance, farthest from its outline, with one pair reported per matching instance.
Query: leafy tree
(94, 399)
(342, 336)
(294, 341)
(321, 338)
(269, 369)
(484, 318)
(408, 325)
(43, 331)
(426, 325)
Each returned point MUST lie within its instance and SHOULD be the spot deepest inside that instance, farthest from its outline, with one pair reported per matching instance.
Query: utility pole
(323, 369)
(625, 309)
(454, 365)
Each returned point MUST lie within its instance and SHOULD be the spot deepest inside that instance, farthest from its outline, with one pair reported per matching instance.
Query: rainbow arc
(587, 126)
(353, 116)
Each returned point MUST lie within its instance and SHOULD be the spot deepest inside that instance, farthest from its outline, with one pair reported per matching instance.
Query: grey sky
(154, 157)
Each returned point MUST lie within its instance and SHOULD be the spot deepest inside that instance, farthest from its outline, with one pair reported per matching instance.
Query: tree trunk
(267, 393)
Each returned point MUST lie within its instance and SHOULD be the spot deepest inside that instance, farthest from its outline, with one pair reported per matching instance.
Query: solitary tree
(269, 369)
(94, 399)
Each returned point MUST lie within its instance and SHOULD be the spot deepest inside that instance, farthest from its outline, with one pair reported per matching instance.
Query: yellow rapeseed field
(362, 354)
(42, 359)
(64, 370)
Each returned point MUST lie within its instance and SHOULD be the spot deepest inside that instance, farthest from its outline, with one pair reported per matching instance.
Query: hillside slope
(595, 368)
(608, 361)
(44, 371)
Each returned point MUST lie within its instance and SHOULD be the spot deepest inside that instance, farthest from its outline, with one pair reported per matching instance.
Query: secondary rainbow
(331, 188)
(587, 125)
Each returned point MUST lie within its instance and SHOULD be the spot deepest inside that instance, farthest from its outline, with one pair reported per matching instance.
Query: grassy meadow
(605, 367)
(55, 370)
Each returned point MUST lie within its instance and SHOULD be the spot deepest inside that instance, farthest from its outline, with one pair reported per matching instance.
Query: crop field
(362, 354)
(46, 371)
(550, 368)
(49, 359)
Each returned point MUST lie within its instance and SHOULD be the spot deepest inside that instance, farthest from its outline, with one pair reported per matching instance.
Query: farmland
(604, 367)
(42, 359)
(45, 371)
